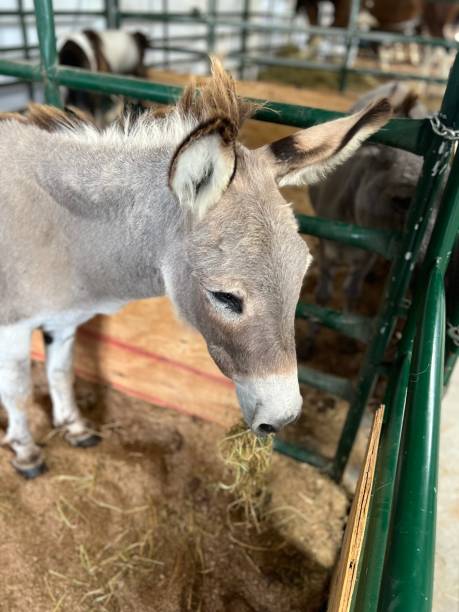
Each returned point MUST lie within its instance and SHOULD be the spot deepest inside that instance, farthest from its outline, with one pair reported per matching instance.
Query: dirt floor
(139, 522)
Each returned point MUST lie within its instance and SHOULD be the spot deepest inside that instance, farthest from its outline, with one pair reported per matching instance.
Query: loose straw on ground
(248, 460)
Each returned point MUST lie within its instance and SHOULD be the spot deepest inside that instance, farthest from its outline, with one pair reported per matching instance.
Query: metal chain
(453, 332)
(441, 130)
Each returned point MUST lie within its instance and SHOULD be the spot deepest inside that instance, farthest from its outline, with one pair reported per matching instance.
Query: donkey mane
(215, 96)
(50, 118)
(202, 101)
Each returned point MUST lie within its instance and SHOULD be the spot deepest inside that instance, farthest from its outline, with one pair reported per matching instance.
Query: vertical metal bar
(244, 38)
(435, 162)
(407, 582)
(452, 321)
(376, 539)
(112, 14)
(166, 56)
(48, 54)
(446, 228)
(211, 28)
(351, 37)
(25, 42)
(445, 237)
(372, 559)
(272, 20)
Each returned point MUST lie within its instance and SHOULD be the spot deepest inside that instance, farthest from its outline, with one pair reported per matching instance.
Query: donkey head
(239, 275)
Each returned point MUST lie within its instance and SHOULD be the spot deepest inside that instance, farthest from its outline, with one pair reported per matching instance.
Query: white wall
(16, 97)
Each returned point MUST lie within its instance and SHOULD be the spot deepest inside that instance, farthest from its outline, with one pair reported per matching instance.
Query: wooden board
(346, 571)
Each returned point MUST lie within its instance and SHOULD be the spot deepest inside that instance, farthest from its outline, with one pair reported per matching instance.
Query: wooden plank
(346, 571)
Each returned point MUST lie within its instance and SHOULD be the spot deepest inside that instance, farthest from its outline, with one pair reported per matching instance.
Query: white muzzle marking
(272, 400)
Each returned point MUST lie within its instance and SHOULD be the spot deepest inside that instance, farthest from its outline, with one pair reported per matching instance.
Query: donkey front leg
(59, 345)
(16, 394)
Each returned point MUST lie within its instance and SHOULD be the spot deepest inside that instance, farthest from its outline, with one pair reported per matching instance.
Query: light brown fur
(50, 118)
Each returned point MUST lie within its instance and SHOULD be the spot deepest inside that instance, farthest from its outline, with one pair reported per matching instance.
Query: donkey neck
(113, 203)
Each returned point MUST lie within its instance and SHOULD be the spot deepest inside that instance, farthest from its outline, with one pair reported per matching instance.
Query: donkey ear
(309, 155)
(203, 165)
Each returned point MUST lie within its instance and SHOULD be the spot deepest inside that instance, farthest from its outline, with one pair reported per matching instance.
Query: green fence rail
(406, 465)
(243, 24)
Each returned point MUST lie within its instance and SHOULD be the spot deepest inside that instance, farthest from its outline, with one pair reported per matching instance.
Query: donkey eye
(231, 301)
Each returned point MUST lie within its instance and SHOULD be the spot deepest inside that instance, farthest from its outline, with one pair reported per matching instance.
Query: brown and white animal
(156, 205)
(113, 51)
(403, 16)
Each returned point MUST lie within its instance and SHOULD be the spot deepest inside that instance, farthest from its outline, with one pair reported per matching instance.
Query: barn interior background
(146, 354)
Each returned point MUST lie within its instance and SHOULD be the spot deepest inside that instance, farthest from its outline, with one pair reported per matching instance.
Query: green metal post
(350, 42)
(435, 163)
(244, 38)
(108, 14)
(407, 582)
(377, 531)
(372, 561)
(48, 53)
(211, 29)
(25, 42)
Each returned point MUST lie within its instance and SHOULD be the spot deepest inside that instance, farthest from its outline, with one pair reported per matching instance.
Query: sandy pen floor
(139, 523)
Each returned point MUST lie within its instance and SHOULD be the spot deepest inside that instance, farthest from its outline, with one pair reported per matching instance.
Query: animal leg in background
(16, 395)
(355, 279)
(323, 294)
(59, 368)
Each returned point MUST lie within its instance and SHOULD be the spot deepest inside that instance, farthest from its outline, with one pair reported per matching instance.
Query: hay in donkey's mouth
(248, 459)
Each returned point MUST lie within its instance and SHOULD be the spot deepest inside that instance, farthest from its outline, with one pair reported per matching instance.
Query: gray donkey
(158, 204)
(373, 189)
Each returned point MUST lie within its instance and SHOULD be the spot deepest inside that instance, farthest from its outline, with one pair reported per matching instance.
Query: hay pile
(138, 522)
(248, 460)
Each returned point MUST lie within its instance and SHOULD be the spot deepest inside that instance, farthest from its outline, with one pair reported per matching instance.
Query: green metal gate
(396, 571)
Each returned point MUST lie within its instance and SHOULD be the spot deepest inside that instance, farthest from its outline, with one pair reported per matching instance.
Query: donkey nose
(265, 428)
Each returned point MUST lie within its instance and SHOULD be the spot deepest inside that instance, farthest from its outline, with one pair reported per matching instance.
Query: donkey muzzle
(269, 403)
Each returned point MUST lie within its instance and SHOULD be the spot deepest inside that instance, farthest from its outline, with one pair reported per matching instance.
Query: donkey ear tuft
(204, 165)
(309, 155)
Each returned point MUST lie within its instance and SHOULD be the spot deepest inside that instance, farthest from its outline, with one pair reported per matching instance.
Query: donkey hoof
(30, 472)
(84, 440)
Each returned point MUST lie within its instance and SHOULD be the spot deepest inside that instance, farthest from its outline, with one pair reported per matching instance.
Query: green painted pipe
(303, 64)
(368, 582)
(438, 153)
(335, 385)
(408, 134)
(351, 325)
(376, 36)
(383, 242)
(407, 582)
(301, 454)
(48, 53)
